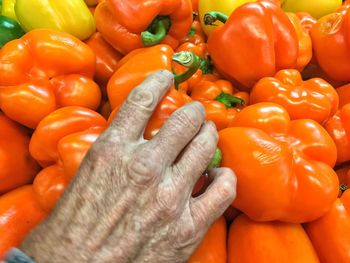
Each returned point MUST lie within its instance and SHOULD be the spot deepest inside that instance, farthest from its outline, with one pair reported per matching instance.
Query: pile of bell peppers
(273, 75)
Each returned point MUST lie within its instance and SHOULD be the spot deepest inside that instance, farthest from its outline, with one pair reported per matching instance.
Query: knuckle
(167, 204)
(142, 97)
(142, 170)
(187, 118)
(201, 212)
(187, 235)
(227, 189)
(163, 77)
(205, 144)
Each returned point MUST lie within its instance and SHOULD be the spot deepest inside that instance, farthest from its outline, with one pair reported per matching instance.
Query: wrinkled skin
(131, 199)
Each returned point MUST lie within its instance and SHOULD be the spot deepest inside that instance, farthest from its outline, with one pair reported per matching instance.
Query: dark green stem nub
(229, 100)
(156, 32)
(9, 30)
(188, 60)
(192, 32)
(211, 17)
(342, 189)
(206, 66)
(216, 160)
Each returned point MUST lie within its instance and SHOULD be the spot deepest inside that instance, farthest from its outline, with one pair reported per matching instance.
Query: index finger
(134, 114)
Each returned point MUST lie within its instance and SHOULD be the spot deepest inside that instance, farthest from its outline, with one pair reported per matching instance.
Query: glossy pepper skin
(107, 58)
(312, 99)
(220, 101)
(125, 31)
(257, 40)
(17, 167)
(212, 249)
(268, 242)
(331, 47)
(285, 171)
(45, 142)
(45, 70)
(338, 128)
(302, 29)
(330, 234)
(9, 30)
(226, 7)
(70, 16)
(20, 212)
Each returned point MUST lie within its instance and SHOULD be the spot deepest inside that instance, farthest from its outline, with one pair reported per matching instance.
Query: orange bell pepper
(20, 212)
(107, 58)
(219, 100)
(330, 234)
(59, 144)
(285, 170)
(344, 94)
(339, 129)
(17, 167)
(311, 99)
(304, 41)
(162, 21)
(212, 249)
(331, 47)
(257, 40)
(268, 242)
(49, 185)
(45, 70)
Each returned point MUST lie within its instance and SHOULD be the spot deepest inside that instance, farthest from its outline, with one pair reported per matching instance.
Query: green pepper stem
(188, 60)
(216, 160)
(156, 32)
(211, 17)
(229, 100)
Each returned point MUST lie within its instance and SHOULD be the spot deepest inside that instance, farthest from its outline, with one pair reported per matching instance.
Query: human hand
(131, 199)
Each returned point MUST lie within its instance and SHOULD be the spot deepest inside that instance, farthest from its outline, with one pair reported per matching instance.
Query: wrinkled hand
(131, 199)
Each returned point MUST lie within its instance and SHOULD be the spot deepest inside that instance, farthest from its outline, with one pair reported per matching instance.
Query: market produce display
(274, 77)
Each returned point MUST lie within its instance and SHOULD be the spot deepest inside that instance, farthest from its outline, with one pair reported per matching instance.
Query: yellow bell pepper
(316, 8)
(71, 16)
(226, 7)
(8, 9)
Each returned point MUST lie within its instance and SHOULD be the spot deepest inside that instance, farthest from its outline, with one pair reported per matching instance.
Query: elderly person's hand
(131, 199)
